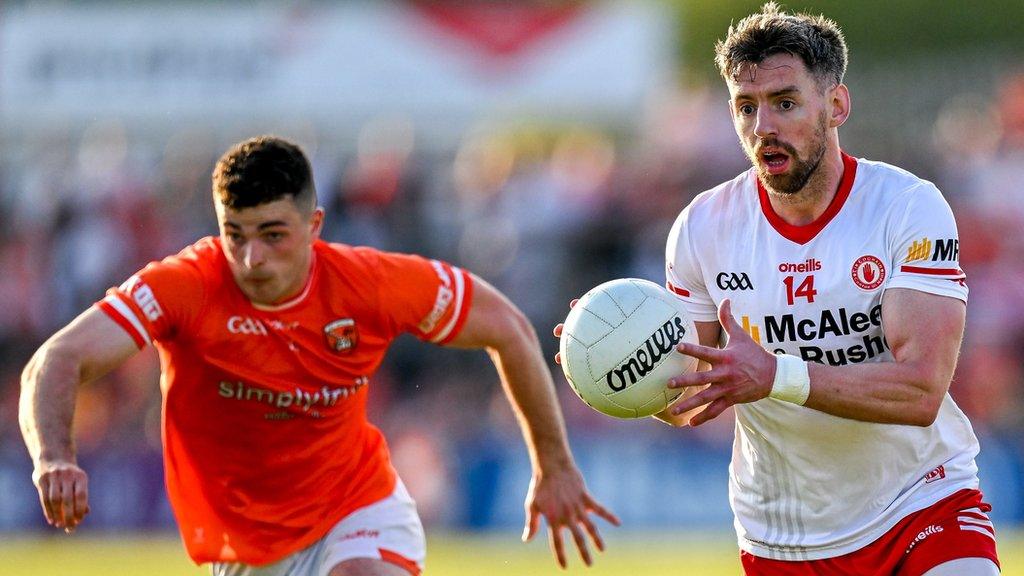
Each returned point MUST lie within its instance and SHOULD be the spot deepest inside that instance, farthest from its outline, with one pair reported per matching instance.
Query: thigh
(972, 566)
(284, 567)
(376, 540)
(960, 531)
(367, 567)
(953, 528)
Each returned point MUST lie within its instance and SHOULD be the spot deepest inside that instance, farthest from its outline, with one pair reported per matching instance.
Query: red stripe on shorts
(955, 527)
(399, 560)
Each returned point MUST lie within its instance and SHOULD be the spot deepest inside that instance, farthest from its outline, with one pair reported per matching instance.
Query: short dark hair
(261, 170)
(816, 40)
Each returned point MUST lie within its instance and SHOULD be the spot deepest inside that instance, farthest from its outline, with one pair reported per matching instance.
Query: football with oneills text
(618, 347)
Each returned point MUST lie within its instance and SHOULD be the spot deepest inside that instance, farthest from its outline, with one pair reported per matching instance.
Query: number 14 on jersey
(804, 290)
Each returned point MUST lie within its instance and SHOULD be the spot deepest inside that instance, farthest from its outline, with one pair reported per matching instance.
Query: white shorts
(388, 530)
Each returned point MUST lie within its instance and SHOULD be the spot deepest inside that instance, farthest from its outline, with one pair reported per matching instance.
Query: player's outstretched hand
(562, 499)
(558, 332)
(63, 492)
(741, 372)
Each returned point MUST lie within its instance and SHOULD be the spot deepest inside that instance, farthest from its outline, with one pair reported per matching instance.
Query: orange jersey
(266, 441)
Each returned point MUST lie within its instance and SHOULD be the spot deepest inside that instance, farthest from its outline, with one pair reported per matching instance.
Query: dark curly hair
(262, 170)
(816, 40)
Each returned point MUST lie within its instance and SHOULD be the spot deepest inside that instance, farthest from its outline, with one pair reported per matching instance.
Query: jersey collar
(807, 232)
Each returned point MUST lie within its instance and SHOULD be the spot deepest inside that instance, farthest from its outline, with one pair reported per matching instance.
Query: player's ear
(316, 223)
(839, 105)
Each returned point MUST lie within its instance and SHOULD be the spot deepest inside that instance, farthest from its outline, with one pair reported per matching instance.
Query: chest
(810, 299)
(326, 342)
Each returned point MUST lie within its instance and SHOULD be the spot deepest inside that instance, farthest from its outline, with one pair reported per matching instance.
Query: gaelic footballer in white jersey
(806, 485)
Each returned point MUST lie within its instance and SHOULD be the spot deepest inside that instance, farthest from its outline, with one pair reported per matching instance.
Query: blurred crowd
(543, 212)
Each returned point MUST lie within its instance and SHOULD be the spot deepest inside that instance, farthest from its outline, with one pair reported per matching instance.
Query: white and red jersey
(804, 484)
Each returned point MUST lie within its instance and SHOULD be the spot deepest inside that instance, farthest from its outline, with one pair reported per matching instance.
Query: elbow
(926, 410)
(514, 331)
(923, 418)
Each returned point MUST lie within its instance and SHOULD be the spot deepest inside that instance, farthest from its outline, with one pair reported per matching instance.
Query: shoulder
(364, 262)
(710, 207)
(894, 185)
(343, 254)
(201, 262)
(353, 260)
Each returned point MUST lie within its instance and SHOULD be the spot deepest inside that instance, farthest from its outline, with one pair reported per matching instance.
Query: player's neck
(300, 284)
(808, 204)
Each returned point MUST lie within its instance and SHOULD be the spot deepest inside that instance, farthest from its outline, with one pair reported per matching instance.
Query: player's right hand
(558, 332)
(63, 492)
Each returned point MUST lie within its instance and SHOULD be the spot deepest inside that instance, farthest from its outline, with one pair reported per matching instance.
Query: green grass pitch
(629, 554)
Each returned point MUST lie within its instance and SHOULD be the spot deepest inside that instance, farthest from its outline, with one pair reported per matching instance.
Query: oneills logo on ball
(647, 356)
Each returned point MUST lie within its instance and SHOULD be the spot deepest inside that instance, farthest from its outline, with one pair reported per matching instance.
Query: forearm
(47, 405)
(531, 392)
(884, 392)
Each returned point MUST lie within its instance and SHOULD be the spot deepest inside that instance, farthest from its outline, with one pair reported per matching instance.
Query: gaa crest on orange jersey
(342, 335)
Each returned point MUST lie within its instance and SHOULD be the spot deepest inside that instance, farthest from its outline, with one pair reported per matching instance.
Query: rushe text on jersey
(830, 324)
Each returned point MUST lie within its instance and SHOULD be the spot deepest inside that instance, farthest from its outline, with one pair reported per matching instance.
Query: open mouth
(775, 162)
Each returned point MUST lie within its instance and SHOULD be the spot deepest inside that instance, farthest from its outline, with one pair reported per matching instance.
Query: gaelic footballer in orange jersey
(268, 340)
(285, 386)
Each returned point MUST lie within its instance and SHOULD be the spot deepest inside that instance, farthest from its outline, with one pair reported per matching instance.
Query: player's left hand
(741, 372)
(562, 499)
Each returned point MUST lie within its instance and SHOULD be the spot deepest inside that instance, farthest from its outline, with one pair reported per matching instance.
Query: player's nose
(253, 255)
(764, 124)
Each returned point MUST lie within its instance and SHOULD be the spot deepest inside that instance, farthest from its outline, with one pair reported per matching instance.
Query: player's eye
(787, 105)
(274, 236)
(234, 237)
(746, 109)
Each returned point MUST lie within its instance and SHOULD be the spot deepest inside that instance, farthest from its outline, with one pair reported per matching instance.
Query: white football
(618, 347)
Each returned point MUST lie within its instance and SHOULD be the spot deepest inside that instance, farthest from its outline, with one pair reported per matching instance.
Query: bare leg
(965, 566)
(367, 567)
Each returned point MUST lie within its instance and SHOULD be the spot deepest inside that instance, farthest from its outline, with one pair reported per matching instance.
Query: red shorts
(954, 527)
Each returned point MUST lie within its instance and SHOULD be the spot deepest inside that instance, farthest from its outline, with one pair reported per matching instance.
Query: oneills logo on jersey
(809, 265)
(342, 335)
(868, 272)
(445, 296)
(936, 474)
(829, 324)
(143, 296)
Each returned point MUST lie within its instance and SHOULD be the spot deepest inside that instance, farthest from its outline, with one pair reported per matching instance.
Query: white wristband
(792, 382)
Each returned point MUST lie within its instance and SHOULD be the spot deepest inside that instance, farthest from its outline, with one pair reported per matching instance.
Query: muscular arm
(557, 490)
(923, 331)
(496, 325)
(88, 347)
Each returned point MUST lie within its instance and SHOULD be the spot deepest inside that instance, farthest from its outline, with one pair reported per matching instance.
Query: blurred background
(546, 146)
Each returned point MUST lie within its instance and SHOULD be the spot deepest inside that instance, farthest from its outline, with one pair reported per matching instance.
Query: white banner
(233, 62)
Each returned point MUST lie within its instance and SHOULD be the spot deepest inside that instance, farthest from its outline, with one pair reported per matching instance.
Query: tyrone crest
(342, 335)
(868, 272)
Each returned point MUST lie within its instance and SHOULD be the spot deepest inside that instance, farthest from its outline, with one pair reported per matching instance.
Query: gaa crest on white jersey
(804, 484)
